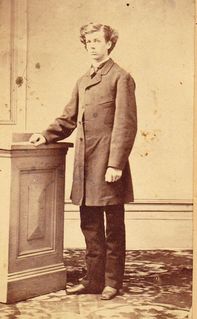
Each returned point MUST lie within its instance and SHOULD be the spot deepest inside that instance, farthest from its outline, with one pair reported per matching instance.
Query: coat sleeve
(125, 122)
(65, 124)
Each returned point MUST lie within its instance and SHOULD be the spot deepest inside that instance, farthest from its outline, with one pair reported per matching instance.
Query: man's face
(97, 46)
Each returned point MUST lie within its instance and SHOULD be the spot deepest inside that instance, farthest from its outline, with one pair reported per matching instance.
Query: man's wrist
(116, 168)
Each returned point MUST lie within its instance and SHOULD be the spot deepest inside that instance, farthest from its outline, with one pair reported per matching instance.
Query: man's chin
(94, 57)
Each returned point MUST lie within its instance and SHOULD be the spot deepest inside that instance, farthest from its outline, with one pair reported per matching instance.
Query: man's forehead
(95, 35)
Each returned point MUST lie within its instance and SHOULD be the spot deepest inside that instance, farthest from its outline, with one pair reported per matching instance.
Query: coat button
(81, 139)
(95, 114)
(79, 122)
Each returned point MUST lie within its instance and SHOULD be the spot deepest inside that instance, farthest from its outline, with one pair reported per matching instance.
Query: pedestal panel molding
(37, 212)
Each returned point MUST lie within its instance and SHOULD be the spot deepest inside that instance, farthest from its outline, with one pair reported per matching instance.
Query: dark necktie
(94, 70)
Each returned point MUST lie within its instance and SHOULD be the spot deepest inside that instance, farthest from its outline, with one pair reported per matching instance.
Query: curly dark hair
(109, 33)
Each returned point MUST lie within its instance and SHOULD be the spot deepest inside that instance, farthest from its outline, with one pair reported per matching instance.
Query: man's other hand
(113, 174)
(37, 139)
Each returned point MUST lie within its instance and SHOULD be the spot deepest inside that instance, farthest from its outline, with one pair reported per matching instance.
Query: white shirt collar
(97, 64)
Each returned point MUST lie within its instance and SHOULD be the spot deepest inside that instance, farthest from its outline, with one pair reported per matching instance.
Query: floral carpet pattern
(157, 285)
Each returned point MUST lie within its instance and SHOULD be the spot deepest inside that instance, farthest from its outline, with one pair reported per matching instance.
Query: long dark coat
(103, 109)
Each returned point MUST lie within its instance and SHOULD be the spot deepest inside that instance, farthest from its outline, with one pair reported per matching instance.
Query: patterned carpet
(157, 285)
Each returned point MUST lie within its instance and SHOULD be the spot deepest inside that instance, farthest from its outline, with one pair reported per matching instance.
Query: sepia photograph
(98, 159)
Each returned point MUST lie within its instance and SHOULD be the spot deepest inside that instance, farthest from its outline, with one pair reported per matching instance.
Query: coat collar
(107, 66)
(88, 81)
(105, 69)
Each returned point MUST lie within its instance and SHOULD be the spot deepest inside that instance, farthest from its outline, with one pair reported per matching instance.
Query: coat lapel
(107, 66)
(88, 81)
(95, 80)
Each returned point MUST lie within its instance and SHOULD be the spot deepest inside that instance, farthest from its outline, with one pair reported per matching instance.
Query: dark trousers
(105, 246)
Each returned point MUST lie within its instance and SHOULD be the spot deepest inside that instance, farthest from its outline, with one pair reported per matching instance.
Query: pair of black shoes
(106, 294)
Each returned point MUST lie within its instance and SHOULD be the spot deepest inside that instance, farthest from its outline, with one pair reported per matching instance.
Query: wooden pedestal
(31, 220)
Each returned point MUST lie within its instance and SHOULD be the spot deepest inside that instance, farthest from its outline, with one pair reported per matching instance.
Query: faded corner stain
(19, 81)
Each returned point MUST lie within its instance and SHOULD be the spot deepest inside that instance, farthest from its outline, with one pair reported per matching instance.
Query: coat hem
(79, 203)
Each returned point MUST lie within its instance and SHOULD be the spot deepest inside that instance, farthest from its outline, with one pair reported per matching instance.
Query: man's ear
(109, 44)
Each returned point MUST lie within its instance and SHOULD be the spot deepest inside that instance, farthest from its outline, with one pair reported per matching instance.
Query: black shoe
(109, 293)
(81, 289)
(76, 290)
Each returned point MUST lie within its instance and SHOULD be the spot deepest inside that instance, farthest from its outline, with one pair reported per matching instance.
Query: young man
(103, 109)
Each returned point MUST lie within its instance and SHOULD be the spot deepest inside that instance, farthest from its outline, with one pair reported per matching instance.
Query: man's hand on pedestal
(37, 139)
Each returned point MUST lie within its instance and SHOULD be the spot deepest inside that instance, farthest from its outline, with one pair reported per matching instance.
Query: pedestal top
(30, 146)
(20, 142)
